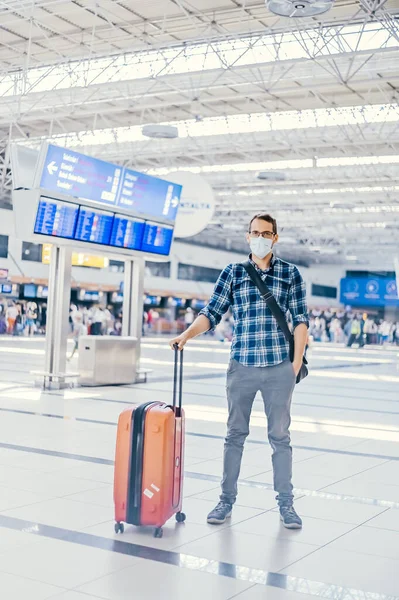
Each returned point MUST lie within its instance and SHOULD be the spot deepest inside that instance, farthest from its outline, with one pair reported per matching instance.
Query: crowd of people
(96, 320)
(22, 317)
(343, 326)
(328, 325)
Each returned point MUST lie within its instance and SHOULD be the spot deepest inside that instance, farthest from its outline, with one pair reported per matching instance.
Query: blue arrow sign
(84, 177)
(81, 176)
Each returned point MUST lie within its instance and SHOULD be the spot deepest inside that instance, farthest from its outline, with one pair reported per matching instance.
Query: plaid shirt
(257, 340)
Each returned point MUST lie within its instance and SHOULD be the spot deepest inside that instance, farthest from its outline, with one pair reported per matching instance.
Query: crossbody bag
(278, 315)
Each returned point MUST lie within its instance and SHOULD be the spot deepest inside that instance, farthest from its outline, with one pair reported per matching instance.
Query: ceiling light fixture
(272, 175)
(160, 132)
(299, 8)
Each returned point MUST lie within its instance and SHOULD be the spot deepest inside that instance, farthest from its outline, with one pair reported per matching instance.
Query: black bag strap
(271, 303)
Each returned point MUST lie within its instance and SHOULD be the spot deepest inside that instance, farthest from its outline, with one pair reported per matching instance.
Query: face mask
(261, 247)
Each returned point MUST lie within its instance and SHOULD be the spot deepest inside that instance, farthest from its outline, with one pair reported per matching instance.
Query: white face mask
(261, 247)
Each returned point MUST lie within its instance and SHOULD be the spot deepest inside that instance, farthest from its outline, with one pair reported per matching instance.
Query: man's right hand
(181, 341)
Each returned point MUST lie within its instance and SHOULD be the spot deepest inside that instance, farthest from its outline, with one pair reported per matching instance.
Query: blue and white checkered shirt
(257, 340)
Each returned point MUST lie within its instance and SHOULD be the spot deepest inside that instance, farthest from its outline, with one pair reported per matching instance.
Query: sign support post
(59, 292)
(133, 291)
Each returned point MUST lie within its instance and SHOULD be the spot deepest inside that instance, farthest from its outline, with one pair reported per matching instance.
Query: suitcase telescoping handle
(178, 375)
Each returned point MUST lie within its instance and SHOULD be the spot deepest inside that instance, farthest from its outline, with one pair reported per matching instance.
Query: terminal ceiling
(310, 102)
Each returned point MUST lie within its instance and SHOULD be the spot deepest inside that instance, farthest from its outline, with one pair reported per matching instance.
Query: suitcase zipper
(136, 463)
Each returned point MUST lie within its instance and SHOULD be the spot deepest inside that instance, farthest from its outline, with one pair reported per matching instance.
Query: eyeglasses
(265, 234)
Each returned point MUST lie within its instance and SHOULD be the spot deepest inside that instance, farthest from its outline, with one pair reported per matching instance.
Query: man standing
(355, 332)
(259, 361)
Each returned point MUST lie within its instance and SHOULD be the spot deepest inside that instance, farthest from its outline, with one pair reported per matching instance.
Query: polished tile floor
(56, 469)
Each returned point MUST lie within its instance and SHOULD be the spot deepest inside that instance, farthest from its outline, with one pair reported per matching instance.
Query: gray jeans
(276, 385)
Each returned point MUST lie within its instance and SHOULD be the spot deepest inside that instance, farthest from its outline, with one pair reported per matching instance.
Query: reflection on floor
(56, 508)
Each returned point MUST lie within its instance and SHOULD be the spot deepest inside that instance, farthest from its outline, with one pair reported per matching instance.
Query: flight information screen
(80, 176)
(157, 239)
(94, 226)
(56, 218)
(149, 195)
(127, 233)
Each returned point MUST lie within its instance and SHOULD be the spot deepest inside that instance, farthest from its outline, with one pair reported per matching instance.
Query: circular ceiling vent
(272, 175)
(299, 8)
(166, 132)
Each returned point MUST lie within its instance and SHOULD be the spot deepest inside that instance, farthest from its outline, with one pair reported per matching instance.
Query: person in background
(318, 329)
(374, 332)
(385, 330)
(109, 320)
(336, 333)
(98, 320)
(20, 320)
(189, 317)
(347, 327)
(153, 316)
(370, 329)
(11, 317)
(43, 317)
(31, 317)
(79, 328)
(362, 320)
(3, 324)
(355, 331)
(145, 323)
(260, 361)
(76, 316)
(72, 309)
(150, 319)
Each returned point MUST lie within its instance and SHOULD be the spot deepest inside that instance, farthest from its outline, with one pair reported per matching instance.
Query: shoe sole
(218, 521)
(290, 526)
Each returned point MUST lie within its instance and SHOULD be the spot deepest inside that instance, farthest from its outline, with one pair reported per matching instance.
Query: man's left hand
(296, 365)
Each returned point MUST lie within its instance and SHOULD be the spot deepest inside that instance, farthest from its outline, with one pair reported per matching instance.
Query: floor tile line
(209, 436)
(223, 396)
(207, 477)
(357, 526)
(302, 492)
(192, 562)
(58, 454)
(239, 593)
(168, 380)
(367, 410)
(316, 384)
(354, 475)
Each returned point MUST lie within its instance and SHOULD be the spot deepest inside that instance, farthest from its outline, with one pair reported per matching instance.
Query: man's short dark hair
(264, 217)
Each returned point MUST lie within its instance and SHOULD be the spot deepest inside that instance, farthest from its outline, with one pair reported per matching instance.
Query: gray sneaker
(290, 518)
(220, 513)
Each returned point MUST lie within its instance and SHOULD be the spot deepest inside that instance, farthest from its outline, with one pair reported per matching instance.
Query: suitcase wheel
(158, 532)
(180, 517)
(119, 528)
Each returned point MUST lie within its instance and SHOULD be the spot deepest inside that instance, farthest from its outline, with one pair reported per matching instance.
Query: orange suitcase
(149, 465)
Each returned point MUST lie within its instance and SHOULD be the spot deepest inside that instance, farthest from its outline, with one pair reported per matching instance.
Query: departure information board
(149, 195)
(157, 239)
(127, 233)
(56, 218)
(94, 226)
(80, 176)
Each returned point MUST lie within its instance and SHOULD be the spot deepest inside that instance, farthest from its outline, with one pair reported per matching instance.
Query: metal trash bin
(107, 360)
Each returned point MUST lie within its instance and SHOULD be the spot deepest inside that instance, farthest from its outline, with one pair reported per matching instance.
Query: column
(57, 316)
